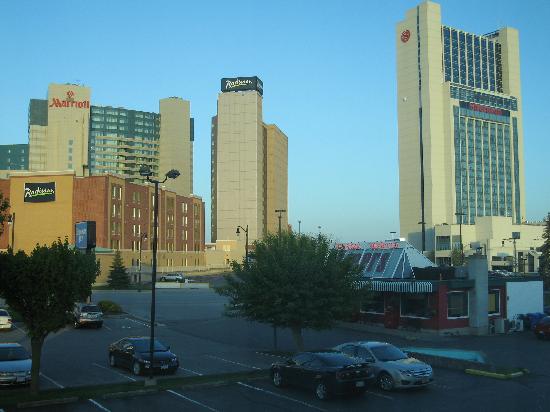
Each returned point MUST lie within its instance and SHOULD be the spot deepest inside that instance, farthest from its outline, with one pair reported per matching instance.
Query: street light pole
(460, 214)
(423, 234)
(145, 171)
(299, 226)
(11, 221)
(142, 237)
(246, 242)
(280, 212)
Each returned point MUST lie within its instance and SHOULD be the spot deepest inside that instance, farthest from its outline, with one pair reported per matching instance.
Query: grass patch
(21, 396)
(109, 307)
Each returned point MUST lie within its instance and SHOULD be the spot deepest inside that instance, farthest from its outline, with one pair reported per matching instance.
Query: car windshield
(387, 353)
(3, 313)
(13, 354)
(142, 345)
(337, 359)
(91, 308)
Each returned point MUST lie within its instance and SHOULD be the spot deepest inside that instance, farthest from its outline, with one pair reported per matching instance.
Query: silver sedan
(392, 367)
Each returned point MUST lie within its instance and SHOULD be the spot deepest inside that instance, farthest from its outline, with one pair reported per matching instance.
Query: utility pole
(280, 212)
(299, 226)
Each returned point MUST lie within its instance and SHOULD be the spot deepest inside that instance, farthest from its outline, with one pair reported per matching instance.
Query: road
(192, 323)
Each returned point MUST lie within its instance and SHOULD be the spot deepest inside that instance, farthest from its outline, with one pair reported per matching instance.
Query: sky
(329, 75)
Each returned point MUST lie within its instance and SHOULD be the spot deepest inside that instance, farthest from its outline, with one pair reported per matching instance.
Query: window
(457, 305)
(374, 304)
(494, 302)
(349, 350)
(382, 264)
(416, 305)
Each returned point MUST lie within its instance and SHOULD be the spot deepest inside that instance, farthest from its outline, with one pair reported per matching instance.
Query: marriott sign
(70, 102)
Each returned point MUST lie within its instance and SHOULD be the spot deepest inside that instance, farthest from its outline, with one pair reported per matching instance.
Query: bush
(108, 306)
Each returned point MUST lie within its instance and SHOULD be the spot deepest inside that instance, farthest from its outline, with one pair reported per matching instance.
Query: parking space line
(107, 327)
(380, 395)
(111, 370)
(281, 396)
(233, 362)
(100, 406)
(52, 381)
(191, 400)
(190, 371)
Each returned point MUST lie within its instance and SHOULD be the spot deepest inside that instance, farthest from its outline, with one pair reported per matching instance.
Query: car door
(312, 372)
(294, 369)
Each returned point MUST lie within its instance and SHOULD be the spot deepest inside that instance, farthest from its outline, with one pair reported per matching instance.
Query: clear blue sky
(328, 69)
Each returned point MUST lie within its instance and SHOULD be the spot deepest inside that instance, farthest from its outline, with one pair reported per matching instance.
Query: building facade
(249, 164)
(460, 125)
(47, 205)
(67, 132)
(14, 157)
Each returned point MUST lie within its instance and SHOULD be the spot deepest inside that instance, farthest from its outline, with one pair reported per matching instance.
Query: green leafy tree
(118, 276)
(43, 288)
(456, 257)
(4, 206)
(544, 261)
(296, 281)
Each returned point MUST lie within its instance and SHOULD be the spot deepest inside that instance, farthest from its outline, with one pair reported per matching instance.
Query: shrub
(108, 306)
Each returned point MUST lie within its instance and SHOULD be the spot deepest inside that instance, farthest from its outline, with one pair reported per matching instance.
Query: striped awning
(413, 286)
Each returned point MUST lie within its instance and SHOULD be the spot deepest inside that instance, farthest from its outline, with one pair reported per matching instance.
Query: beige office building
(66, 132)
(249, 164)
(460, 126)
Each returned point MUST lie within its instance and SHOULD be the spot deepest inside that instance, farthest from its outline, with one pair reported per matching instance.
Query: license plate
(360, 384)
(164, 366)
(20, 379)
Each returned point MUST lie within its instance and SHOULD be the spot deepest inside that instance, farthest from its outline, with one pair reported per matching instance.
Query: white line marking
(112, 370)
(100, 406)
(380, 395)
(281, 396)
(192, 400)
(233, 362)
(107, 327)
(191, 371)
(51, 380)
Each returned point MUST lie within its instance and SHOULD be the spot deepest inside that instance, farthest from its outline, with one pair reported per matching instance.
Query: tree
(118, 276)
(43, 288)
(456, 257)
(4, 205)
(296, 281)
(544, 261)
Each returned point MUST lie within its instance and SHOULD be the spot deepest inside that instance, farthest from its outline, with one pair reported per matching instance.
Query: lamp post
(246, 241)
(11, 221)
(146, 171)
(280, 212)
(459, 215)
(299, 226)
(142, 237)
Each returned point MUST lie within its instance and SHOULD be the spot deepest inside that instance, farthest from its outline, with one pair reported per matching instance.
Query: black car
(133, 353)
(326, 372)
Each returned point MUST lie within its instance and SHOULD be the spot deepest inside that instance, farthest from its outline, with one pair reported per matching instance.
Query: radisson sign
(234, 84)
(70, 102)
(39, 192)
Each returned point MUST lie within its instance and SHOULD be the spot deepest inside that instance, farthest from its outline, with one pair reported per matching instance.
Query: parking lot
(192, 323)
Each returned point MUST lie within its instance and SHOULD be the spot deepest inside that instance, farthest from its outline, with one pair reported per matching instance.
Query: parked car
(133, 353)
(542, 328)
(392, 367)
(87, 314)
(15, 365)
(173, 277)
(326, 373)
(5, 320)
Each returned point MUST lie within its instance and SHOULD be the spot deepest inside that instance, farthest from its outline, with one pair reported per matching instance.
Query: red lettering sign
(485, 109)
(384, 245)
(405, 36)
(70, 102)
(348, 246)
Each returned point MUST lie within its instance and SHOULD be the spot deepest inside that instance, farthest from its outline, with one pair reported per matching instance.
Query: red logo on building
(485, 109)
(405, 36)
(70, 102)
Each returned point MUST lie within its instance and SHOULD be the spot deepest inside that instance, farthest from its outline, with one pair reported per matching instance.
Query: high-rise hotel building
(249, 164)
(67, 132)
(460, 125)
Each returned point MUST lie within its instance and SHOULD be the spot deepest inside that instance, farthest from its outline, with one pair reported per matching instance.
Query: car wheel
(112, 360)
(277, 379)
(385, 381)
(136, 368)
(321, 391)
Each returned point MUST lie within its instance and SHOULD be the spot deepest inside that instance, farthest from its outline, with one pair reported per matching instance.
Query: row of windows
(471, 60)
(123, 112)
(462, 93)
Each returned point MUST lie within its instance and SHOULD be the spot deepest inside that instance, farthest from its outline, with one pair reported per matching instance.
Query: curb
(118, 395)
(496, 375)
(46, 402)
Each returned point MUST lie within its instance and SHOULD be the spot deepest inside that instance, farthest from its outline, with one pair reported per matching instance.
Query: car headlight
(28, 373)
(145, 361)
(174, 360)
